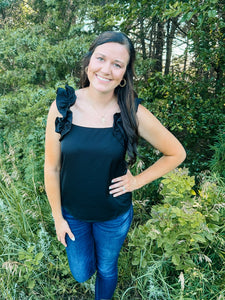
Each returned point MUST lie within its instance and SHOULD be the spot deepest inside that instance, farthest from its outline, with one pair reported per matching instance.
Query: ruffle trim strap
(137, 102)
(64, 99)
(118, 130)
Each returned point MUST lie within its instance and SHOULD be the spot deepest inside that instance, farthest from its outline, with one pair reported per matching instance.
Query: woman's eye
(117, 65)
(100, 58)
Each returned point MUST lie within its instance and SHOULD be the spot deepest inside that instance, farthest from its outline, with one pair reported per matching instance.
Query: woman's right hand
(62, 228)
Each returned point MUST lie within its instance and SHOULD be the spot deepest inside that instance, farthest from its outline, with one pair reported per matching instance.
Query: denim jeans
(96, 248)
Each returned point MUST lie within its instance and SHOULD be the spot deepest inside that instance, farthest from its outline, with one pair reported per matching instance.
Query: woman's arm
(52, 174)
(160, 138)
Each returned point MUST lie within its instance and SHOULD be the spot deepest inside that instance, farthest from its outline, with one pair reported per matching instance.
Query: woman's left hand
(123, 184)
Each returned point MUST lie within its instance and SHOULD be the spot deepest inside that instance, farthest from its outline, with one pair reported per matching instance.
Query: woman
(88, 183)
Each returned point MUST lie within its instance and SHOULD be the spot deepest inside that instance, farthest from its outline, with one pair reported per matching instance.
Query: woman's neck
(98, 98)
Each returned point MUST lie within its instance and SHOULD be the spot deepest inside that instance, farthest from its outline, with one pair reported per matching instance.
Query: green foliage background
(176, 244)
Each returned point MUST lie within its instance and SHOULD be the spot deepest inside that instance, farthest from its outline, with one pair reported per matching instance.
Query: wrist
(141, 180)
(57, 217)
(138, 183)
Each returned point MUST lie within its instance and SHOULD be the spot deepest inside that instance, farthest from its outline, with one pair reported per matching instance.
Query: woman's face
(107, 66)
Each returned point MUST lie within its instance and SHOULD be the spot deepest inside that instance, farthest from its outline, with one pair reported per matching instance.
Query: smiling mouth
(102, 78)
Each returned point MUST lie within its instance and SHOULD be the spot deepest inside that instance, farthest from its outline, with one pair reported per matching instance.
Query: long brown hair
(124, 94)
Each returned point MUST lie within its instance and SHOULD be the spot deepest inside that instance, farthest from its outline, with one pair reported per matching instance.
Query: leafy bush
(217, 163)
(22, 132)
(187, 230)
(190, 110)
(29, 57)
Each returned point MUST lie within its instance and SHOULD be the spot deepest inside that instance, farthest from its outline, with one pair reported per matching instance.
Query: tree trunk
(171, 28)
(152, 35)
(142, 37)
(159, 43)
(185, 58)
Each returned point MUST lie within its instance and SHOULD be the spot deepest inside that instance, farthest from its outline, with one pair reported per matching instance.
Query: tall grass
(33, 264)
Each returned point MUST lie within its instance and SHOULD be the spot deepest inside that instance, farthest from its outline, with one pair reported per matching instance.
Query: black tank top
(90, 159)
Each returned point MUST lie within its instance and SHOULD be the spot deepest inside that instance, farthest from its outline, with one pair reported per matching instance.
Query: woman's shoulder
(53, 110)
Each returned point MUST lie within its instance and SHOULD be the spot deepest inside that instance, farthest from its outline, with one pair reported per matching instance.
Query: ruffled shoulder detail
(64, 99)
(137, 102)
(118, 130)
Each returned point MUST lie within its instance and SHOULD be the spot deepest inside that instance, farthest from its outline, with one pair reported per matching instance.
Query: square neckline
(88, 127)
(91, 127)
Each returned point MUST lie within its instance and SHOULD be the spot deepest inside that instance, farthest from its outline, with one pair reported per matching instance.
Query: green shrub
(217, 163)
(187, 230)
(189, 110)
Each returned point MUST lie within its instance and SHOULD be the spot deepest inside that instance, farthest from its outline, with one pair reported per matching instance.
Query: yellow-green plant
(180, 228)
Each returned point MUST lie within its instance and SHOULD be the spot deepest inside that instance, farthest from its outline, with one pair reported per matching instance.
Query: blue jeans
(96, 247)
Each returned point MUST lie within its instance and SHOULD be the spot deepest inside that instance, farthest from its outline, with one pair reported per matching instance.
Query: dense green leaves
(182, 228)
(28, 57)
(217, 162)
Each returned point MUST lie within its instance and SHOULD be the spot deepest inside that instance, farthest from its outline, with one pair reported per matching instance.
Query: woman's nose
(106, 68)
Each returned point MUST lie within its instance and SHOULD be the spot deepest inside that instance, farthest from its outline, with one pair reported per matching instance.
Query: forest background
(175, 248)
